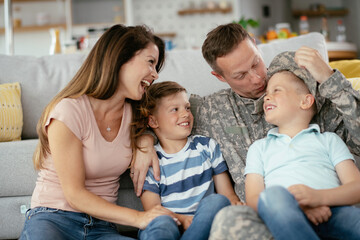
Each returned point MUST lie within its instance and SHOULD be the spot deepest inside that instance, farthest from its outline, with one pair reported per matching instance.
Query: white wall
(191, 30)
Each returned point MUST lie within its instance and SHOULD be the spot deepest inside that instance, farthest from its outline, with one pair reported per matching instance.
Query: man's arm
(335, 87)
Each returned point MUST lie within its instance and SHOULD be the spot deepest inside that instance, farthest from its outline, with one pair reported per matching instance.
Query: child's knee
(275, 197)
(216, 200)
(163, 221)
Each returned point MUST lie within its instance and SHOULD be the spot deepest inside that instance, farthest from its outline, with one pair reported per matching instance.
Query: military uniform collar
(256, 105)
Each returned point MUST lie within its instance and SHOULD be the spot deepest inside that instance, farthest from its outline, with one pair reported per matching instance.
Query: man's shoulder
(215, 99)
(213, 96)
(223, 93)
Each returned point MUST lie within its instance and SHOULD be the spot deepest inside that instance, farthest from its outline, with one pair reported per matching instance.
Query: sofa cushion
(313, 40)
(11, 117)
(350, 68)
(17, 173)
(13, 211)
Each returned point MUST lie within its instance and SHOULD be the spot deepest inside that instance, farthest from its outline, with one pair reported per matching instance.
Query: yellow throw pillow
(11, 116)
(350, 68)
(355, 82)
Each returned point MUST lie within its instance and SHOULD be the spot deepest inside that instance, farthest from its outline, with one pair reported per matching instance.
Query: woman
(85, 141)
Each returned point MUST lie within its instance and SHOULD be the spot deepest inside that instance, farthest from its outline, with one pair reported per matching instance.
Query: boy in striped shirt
(192, 168)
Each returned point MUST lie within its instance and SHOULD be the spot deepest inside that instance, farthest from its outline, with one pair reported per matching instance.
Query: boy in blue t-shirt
(192, 168)
(301, 182)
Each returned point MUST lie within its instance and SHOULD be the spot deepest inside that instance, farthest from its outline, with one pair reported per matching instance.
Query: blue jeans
(281, 213)
(164, 227)
(48, 223)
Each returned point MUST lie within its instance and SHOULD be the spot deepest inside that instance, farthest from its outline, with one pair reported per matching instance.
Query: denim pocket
(37, 210)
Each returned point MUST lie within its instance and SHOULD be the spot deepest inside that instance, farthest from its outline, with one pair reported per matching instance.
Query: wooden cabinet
(320, 13)
(76, 12)
(204, 10)
(36, 27)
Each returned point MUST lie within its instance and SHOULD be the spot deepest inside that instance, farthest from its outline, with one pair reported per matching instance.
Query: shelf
(204, 10)
(319, 13)
(14, 1)
(166, 34)
(34, 28)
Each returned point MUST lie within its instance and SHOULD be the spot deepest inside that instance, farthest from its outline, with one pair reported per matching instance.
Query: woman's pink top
(104, 161)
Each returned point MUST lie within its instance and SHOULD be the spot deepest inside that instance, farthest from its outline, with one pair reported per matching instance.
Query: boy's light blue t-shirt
(309, 158)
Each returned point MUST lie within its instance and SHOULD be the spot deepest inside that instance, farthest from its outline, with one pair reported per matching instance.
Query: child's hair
(149, 102)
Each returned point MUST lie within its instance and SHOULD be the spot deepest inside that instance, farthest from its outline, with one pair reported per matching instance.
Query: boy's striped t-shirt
(187, 176)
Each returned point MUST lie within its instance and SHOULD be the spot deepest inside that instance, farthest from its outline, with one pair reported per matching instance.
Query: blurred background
(75, 25)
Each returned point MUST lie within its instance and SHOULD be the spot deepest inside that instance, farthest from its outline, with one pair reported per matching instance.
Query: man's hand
(145, 158)
(317, 215)
(306, 196)
(311, 59)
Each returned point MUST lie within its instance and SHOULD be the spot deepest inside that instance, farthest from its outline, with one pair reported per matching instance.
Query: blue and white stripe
(187, 176)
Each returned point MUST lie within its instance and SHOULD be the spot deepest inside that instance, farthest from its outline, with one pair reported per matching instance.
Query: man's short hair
(221, 41)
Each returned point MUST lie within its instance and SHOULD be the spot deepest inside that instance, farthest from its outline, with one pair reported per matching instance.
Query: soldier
(235, 118)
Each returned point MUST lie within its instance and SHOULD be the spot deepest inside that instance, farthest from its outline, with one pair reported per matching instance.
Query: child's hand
(317, 215)
(186, 221)
(237, 202)
(305, 195)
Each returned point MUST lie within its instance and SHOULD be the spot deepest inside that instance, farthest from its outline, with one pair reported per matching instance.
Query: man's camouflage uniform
(236, 122)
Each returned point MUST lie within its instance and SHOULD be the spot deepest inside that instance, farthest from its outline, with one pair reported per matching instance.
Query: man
(235, 118)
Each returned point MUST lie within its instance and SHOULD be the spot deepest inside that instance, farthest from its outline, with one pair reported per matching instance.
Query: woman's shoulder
(71, 104)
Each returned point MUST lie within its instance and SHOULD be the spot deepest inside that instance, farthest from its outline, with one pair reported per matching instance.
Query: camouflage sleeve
(346, 101)
(198, 109)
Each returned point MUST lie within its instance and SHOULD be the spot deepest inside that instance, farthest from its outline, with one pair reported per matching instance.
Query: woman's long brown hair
(98, 76)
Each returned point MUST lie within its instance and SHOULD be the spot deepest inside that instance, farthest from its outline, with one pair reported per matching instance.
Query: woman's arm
(150, 200)
(143, 160)
(346, 194)
(254, 185)
(67, 153)
(224, 187)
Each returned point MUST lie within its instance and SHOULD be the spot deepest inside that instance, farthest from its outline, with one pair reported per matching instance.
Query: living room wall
(190, 30)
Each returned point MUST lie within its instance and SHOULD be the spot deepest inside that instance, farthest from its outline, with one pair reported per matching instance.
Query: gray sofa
(42, 77)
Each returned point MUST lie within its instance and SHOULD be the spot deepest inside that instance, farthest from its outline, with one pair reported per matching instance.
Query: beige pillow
(11, 116)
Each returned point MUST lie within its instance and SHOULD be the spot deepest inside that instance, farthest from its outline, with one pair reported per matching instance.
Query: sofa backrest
(189, 68)
(41, 78)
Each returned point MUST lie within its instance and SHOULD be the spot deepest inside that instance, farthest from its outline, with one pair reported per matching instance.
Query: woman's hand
(145, 158)
(146, 217)
(311, 59)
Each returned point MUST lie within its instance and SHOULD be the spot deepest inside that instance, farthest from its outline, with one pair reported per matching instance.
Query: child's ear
(153, 122)
(307, 101)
